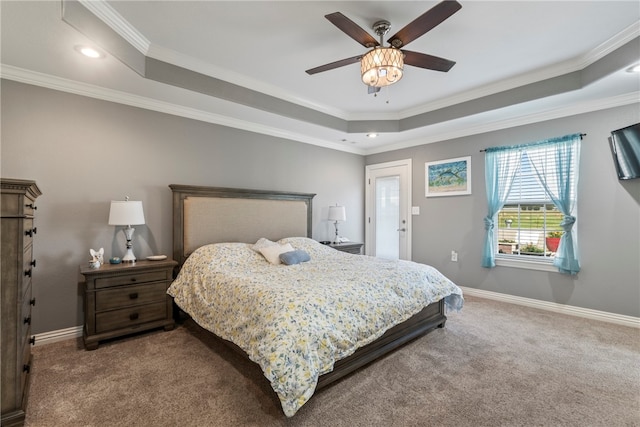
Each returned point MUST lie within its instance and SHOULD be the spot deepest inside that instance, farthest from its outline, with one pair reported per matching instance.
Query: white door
(388, 209)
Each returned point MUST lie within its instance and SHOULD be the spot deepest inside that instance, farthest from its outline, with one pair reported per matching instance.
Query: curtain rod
(582, 135)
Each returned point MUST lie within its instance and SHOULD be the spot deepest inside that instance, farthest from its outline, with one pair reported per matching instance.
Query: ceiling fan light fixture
(382, 66)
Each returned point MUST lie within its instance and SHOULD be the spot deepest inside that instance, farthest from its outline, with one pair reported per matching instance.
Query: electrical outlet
(454, 256)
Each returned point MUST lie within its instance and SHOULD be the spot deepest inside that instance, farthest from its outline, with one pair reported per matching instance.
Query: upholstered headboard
(203, 215)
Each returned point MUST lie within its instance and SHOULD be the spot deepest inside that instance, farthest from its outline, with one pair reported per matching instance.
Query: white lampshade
(126, 212)
(337, 213)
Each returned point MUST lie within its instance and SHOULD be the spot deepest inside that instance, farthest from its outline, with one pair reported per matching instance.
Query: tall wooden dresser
(18, 210)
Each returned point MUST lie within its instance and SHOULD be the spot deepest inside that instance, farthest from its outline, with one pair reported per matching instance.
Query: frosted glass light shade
(127, 212)
(337, 213)
(381, 66)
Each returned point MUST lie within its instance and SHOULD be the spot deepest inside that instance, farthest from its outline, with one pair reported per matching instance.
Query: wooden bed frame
(202, 215)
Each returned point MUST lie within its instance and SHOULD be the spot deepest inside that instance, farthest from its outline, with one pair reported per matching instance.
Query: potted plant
(531, 249)
(553, 240)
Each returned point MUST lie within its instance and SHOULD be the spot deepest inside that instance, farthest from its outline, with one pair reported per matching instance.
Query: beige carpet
(494, 364)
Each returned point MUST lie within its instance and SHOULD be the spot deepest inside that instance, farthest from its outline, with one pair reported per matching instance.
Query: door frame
(370, 203)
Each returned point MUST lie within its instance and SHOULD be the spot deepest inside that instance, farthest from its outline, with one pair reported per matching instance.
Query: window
(528, 216)
(532, 199)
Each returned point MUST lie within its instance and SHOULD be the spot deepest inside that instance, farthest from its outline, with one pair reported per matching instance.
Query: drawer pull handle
(133, 279)
(26, 368)
(32, 301)
(33, 263)
(133, 316)
(32, 206)
(27, 320)
(35, 229)
(27, 272)
(133, 295)
(29, 233)
(32, 340)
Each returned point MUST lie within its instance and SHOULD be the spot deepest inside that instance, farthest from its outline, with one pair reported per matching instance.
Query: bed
(310, 321)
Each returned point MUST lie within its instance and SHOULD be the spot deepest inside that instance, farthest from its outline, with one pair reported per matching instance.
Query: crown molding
(575, 64)
(92, 91)
(550, 114)
(615, 42)
(108, 15)
(121, 26)
(186, 61)
(97, 92)
(102, 10)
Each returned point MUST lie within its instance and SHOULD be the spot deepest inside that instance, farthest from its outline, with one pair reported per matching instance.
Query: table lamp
(337, 214)
(127, 212)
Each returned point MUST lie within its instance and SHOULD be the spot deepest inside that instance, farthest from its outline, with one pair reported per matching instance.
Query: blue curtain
(501, 165)
(554, 171)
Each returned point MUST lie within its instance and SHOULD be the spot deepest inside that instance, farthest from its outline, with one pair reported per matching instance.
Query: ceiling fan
(382, 66)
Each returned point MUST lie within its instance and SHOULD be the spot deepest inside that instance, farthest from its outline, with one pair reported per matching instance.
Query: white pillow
(262, 243)
(272, 253)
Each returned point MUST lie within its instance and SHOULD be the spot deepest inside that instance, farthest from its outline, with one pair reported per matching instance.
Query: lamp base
(336, 239)
(129, 256)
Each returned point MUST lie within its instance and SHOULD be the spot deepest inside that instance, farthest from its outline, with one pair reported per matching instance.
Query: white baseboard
(59, 335)
(587, 313)
(620, 319)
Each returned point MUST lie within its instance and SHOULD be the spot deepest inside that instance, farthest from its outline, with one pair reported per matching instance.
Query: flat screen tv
(625, 146)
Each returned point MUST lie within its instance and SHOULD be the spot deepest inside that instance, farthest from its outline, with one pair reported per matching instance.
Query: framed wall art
(451, 177)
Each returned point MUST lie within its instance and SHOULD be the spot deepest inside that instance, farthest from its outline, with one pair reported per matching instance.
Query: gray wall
(83, 153)
(608, 223)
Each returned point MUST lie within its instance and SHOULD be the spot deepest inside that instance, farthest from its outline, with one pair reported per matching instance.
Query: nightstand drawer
(130, 295)
(129, 317)
(131, 279)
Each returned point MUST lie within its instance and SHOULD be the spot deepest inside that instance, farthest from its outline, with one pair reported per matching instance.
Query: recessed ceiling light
(372, 135)
(89, 52)
(634, 69)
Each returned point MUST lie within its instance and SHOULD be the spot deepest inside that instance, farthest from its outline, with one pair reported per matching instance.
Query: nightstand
(350, 247)
(121, 299)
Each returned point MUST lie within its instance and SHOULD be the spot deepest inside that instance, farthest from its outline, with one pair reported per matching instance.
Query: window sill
(546, 265)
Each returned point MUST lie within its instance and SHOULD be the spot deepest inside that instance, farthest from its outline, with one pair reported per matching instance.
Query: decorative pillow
(315, 250)
(262, 243)
(272, 253)
(294, 257)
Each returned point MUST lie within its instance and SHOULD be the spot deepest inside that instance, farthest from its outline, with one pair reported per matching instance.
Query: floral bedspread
(296, 321)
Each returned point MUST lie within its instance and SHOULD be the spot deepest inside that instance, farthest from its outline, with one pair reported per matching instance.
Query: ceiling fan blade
(337, 64)
(352, 29)
(430, 62)
(425, 22)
